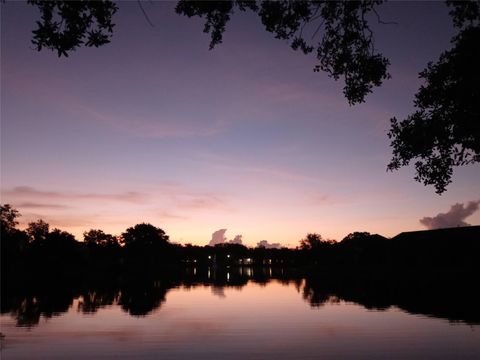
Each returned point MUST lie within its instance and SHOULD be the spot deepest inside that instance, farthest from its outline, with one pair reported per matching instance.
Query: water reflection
(142, 295)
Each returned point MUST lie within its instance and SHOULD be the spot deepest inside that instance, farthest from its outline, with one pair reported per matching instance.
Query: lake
(233, 316)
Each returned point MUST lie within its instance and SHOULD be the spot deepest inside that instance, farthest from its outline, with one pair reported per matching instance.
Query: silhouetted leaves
(311, 241)
(37, 231)
(445, 130)
(346, 47)
(66, 25)
(8, 217)
(144, 235)
(99, 238)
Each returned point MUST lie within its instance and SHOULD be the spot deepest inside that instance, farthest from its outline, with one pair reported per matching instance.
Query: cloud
(159, 127)
(30, 205)
(218, 237)
(192, 201)
(32, 193)
(453, 218)
(166, 215)
(267, 245)
(236, 240)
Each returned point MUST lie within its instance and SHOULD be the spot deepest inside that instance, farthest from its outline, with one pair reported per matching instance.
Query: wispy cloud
(321, 199)
(159, 126)
(166, 215)
(453, 218)
(30, 205)
(32, 193)
(193, 201)
(269, 172)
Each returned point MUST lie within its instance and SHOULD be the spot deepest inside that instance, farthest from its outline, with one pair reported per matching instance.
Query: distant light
(228, 256)
(209, 257)
(195, 260)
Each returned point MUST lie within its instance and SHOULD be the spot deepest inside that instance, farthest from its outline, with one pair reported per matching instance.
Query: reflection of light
(195, 260)
(228, 276)
(228, 256)
(209, 257)
(249, 272)
(209, 273)
(194, 271)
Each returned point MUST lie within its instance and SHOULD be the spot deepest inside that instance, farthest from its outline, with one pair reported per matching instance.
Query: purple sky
(156, 128)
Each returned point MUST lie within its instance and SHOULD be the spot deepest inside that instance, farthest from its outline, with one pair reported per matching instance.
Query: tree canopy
(66, 25)
(8, 217)
(442, 133)
(95, 237)
(144, 235)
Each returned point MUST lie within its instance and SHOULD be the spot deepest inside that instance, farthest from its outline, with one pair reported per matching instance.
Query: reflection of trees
(27, 309)
(333, 289)
(314, 297)
(94, 299)
(141, 298)
(452, 297)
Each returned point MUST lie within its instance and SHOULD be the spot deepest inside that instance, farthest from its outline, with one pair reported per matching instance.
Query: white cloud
(218, 237)
(453, 218)
(267, 245)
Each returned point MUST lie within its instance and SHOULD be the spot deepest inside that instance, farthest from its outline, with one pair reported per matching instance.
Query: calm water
(250, 320)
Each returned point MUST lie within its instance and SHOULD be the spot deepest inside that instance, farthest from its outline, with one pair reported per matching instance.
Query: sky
(154, 127)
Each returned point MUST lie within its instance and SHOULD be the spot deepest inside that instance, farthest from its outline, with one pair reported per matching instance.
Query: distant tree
(8, 218)
(355, 236)
(99, 238)
(363, 249)
(314, 241)
(38, 231)
(12, 241)
(144, 235)
(60, 236)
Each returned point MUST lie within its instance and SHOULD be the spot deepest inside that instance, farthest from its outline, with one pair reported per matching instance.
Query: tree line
(142, 248)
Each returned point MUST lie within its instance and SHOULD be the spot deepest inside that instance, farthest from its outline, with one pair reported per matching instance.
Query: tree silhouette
(144, 235)
(66, 25)
(8, 217)
(445, 130)
(314, 241)
(12, 241)
(99, 238)
(37, 231)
